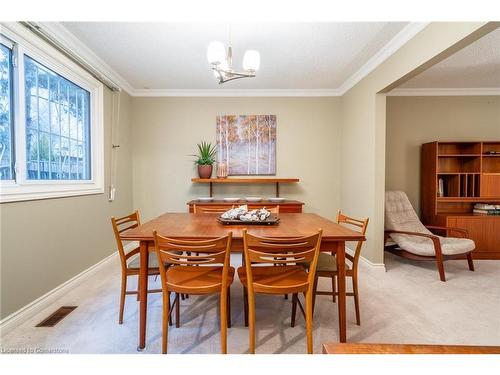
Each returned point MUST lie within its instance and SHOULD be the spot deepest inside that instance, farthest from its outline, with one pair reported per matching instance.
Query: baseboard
(376, 266)
(23, 314)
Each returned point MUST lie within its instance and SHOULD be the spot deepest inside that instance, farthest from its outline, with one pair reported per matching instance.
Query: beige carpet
(406, 304)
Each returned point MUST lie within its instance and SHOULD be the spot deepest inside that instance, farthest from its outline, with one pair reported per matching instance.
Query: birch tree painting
(247, 143)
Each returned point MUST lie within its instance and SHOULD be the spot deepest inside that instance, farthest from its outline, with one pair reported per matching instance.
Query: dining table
(190, 226)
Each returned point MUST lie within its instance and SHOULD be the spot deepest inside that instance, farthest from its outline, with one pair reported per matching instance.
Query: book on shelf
(477, 211)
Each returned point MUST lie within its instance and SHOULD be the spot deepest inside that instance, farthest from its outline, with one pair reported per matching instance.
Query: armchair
(416, 241)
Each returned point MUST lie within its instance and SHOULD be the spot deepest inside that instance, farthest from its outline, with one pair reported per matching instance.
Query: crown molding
(241, 92)
(445, 92)
(400, 39)
(77, 46)
(383, 54)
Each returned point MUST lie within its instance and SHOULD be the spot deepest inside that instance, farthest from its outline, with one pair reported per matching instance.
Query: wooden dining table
(190, 226)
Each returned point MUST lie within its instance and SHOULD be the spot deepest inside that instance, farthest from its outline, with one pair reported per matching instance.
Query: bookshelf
(454, 177)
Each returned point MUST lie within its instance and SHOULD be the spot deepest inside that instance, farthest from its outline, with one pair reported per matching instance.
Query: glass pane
(57, 125)
(43, 114)
(32, 154)
(54, 118)
(55, 157)
(6, 157)
(64, 158)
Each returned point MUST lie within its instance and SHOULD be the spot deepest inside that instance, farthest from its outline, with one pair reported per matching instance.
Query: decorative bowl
(205, 199)
(253, 199)
(275, 199)
(230, 199)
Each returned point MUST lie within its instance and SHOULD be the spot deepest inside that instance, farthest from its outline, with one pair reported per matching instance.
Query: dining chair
(327, 267)
(260, 276)
(274, 210)
(205, 271)
(200, 209)
(130, 261)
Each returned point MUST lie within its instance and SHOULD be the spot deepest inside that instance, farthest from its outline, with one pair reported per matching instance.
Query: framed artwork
(247, 144)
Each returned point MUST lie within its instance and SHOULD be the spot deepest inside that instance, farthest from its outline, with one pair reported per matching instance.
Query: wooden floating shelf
(246, 180)
(458, 155)
(468, 199)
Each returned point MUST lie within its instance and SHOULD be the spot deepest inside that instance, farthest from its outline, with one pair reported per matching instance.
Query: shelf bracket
(277, 189)
(211, 191)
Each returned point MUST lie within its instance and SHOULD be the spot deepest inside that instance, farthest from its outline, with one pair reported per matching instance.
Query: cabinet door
(490, 185)
(484, 230)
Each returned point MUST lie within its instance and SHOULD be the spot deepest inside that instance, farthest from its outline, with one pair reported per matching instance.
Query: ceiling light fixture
(222, 64)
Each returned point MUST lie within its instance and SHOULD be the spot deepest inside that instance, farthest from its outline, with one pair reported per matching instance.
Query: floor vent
(56, 316)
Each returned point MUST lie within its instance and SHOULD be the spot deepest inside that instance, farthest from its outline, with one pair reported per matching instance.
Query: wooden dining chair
(259, 275)
(327, 267)
(274, 210)
(200, 209)
(130, 262)
(205, 270)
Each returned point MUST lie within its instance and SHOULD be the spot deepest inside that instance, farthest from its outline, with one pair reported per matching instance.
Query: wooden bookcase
(470, 174)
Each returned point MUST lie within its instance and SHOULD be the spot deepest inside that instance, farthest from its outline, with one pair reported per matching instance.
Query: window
(51, 123)
(6, 165)
(57, 125)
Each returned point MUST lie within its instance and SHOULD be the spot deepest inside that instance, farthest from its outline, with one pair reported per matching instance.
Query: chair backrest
(197, 209)
(361, 225)
(285, 251)
(400, 215)
(193, 253)
(120, 225)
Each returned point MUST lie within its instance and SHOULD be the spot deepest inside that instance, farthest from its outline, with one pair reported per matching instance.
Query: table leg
(341, 290)
(143, 294)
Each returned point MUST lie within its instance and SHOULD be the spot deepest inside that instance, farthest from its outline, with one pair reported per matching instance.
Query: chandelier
(222, 64)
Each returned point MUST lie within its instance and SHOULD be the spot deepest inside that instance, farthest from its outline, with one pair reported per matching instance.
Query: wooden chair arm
(450, 229)
(132, 253)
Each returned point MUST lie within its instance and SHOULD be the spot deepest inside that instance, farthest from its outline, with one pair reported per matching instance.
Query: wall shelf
(245, 180)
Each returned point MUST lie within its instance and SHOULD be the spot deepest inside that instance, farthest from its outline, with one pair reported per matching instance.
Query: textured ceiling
(475, 66)
(293, 55)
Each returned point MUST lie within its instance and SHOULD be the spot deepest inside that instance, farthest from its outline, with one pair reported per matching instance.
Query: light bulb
(216, 53)
(251, 60)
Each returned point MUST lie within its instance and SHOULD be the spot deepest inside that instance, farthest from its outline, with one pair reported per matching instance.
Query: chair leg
(245, 305)
(334, 288)
(315, 287)
(122, 297)
(286, 296)
(169, 314)
(228, 303)
(294, 309)
(356, 299)
(439, 261)
(166, 314)
(309, 319)
(182, 296)
(251, 322)
(470, 261)
(223, 320)
(177, 310)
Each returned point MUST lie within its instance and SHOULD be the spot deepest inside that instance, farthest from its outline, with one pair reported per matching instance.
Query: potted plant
(205, 159)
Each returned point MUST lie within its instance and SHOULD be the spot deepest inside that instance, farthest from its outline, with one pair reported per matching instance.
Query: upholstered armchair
(416, 241)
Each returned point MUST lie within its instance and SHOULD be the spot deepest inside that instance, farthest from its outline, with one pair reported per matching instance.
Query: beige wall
(412, 121)
(46, 242)
(166, 131)
(363, 121)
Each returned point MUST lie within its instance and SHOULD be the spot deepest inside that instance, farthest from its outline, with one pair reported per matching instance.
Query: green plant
(206, 154)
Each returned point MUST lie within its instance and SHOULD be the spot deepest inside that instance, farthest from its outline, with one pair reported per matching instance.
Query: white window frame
(21, 189)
